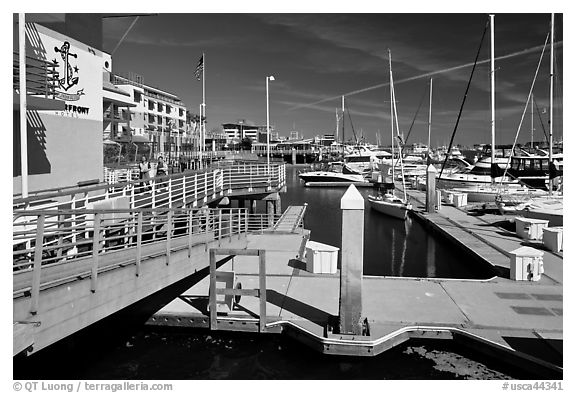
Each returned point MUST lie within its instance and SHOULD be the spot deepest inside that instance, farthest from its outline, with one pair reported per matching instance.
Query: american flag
(199, 68)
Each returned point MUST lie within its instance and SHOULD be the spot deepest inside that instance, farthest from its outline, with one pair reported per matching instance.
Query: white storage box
(526, 264)
(553, 239)
(448, 197)
(438, 200)
(460, 199)
(321, 258)
(530, 228)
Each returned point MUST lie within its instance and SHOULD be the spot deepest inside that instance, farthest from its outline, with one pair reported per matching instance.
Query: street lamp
(268, 78)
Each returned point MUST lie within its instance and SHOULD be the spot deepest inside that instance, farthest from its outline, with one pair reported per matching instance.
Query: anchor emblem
(69, 79)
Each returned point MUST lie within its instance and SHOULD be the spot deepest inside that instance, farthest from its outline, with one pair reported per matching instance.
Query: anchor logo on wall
(69, 79)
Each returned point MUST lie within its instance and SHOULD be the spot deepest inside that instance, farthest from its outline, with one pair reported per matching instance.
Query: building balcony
(41, 83)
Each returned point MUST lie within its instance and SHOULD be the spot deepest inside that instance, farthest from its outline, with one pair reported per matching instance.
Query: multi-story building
(156, 116)
(241, 129)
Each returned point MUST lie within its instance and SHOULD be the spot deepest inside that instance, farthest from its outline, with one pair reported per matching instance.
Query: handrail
(56, 246)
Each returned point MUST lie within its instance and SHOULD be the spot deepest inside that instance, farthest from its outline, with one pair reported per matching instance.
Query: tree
(246, 144)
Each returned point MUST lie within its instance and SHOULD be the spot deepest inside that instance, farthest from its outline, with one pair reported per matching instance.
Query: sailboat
(547, 207)
(387, 202)
(332, 173)
(484, 190)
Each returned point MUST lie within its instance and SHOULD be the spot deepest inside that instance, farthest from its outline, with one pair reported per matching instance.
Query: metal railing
(51, 247)
(41, 77)
(190, 187)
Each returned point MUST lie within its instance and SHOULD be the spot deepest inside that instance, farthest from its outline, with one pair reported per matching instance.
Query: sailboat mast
(492, 94)
(391, 113)
(429, 120)
(337, 125)
(343, 122)
(532, 121)
(550, 140)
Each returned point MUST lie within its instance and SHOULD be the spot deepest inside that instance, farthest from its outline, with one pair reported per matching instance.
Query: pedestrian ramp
(291, 220)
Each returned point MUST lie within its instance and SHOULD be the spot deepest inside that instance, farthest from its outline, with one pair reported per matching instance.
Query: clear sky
(316, 58)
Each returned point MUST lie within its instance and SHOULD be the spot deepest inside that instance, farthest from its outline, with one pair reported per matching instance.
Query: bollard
(430, 189)
(350, 313)
(270, 212)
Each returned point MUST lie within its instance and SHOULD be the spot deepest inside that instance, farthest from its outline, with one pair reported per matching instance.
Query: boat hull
(397, 210)
(328, 177)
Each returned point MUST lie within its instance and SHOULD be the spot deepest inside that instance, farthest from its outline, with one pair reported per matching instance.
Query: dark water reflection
(392, 247)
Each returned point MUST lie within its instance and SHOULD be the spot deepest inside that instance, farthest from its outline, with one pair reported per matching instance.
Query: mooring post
(352, 206)
(431, 189)
(270, 212)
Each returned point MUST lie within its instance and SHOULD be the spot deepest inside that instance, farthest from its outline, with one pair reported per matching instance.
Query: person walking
(182, 163)
(144, 168)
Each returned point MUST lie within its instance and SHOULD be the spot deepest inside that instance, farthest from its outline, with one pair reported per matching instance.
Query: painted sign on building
(79, 70)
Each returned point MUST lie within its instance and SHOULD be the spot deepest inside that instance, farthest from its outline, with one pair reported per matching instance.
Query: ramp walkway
(291, 219)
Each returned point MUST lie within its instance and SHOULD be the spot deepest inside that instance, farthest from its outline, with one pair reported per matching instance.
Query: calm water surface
(121, 347)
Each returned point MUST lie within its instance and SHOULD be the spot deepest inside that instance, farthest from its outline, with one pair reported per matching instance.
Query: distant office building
(241, 129)
(294, 135)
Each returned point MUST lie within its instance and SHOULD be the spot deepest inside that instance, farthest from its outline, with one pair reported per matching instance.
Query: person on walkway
(161, 168)
(182, 163)
(144, 168)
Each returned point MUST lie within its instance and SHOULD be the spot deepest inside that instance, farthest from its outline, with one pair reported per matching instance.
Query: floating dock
(518, 321)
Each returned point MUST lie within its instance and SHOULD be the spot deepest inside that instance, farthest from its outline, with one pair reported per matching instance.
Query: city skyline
(317, 58)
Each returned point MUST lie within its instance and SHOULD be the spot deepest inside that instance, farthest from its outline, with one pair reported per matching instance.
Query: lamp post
(268, 78)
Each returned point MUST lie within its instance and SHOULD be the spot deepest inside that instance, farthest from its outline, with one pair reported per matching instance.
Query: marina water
(121, 347)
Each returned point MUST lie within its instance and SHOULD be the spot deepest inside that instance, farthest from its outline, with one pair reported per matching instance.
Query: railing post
(184, 190)
(132, 199)
(170, 192)
(169, 219)
(153, 193)
(95, 251)
(262, 290)
(219, 224)
(246, 223)
(190, 232)
(230, 218)
(212, 291)
(138, 242)
(196, 187)
(205, 186)
(35, 290)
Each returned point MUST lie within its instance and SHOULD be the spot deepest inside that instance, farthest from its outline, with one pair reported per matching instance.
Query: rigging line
(126, 33)
(416, 114)
(524, 112)
(429, 74)
(351, 124)
(541, 122)
(464, 99)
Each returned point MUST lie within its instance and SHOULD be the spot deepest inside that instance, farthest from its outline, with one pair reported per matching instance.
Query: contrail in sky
(412, 78)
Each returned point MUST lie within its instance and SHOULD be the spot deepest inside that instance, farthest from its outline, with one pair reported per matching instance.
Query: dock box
(460, 199)
(321, 258)
(447, 197)
(530, 228)
(526, 264)
(553, 238)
